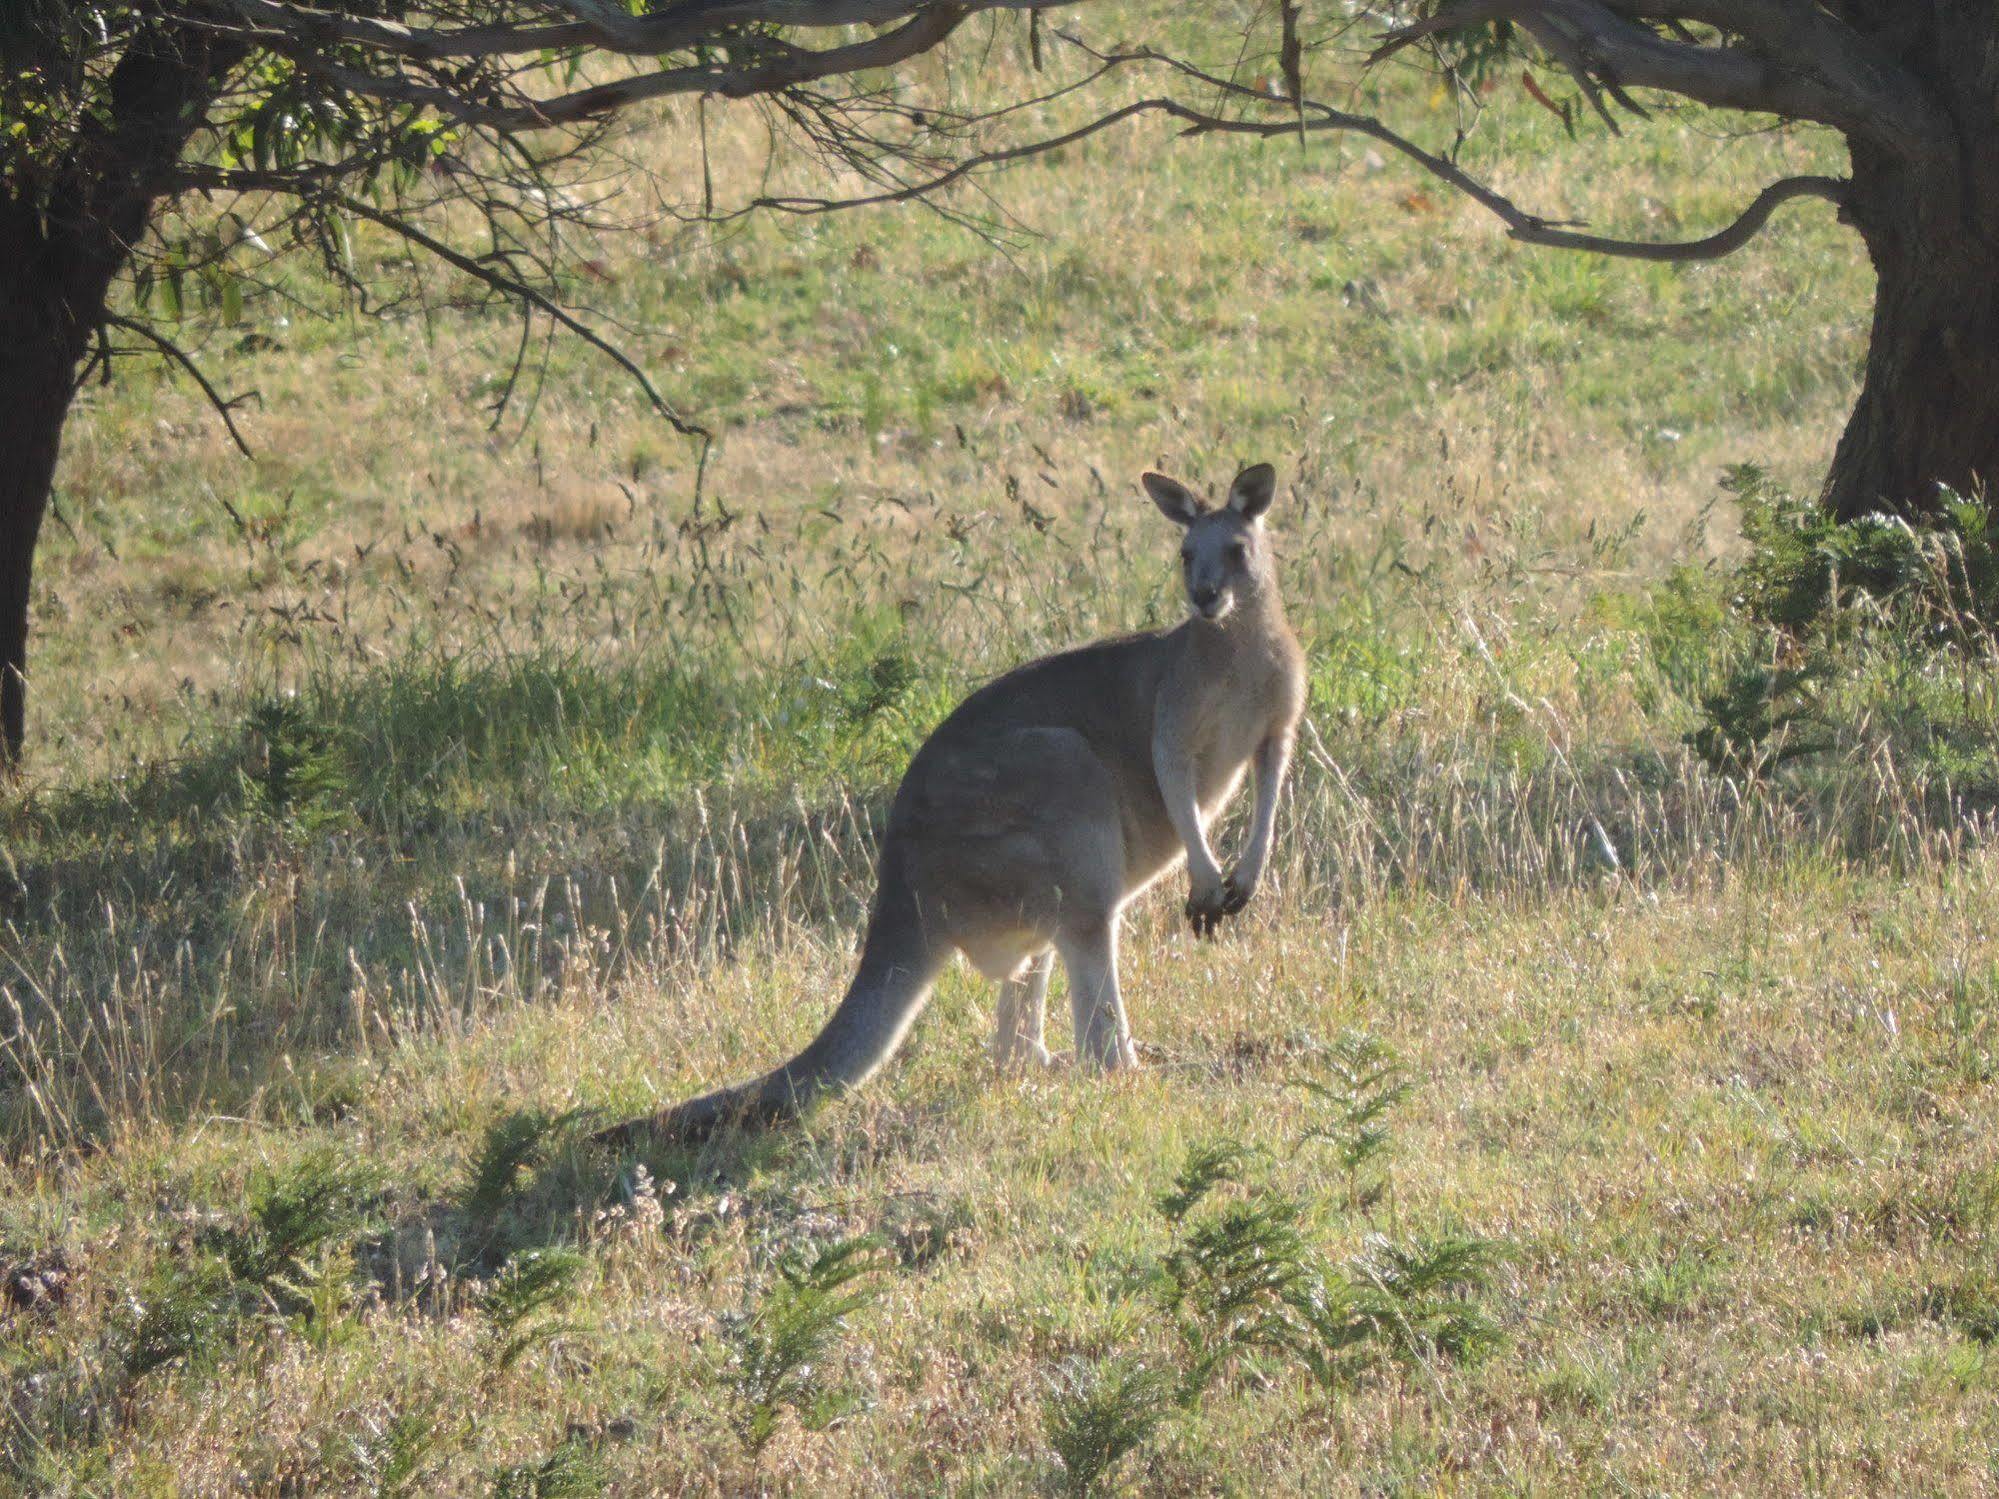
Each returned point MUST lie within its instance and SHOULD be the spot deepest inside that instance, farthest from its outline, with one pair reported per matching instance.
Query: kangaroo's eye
(1238, 554)
(1186, 559)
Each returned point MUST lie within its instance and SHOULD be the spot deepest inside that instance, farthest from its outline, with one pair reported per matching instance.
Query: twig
(223, 408)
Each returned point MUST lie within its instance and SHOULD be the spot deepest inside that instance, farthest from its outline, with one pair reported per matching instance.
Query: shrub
(515, 1144)
(777, 1347)
(181, 1314)
(532, 1282)
(1098, 1413)
(1804, 565)
(298, 766)
(570, 1471)
(293, 1212)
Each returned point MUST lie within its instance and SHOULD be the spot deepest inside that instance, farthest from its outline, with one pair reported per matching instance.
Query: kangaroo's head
(1225, 557)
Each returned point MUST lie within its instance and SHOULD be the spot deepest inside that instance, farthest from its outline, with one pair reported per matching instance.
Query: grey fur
(1051, 799)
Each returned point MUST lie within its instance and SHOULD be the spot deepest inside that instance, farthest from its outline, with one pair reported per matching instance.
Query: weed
(181, 1315)
(881, 687)
(1245, 1281)
(778, 1347)
(529, 1284)
(572, 1470)
(1424, 1299)
(1095, 1414)
(293, 1212)
(1363, 1083)
(322, 1294)
(1763, 716)
(1242, 1281)
(515, 1144)
(297, 769)
(395, 1458)
(1229, 1281)
(1804, 567)
(1209, 1164)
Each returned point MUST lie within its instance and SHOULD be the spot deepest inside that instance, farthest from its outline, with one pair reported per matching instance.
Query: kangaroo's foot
(1017, 1028)
(1026, 1058)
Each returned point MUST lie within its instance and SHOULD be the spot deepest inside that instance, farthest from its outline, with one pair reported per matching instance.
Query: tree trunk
(61, 244)
(1928, 412)
(39, 349)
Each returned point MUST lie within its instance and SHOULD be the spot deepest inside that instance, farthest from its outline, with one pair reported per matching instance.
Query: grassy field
(1583, 1106)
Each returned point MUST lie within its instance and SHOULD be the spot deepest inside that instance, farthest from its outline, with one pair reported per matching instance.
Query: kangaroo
(1049, 800)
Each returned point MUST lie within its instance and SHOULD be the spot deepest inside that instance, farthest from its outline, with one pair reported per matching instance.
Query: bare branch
(1528, 228)
(500, 281)
(226, 409)
(1724, 242)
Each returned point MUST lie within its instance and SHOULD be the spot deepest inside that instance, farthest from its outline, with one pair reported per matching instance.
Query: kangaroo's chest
(1226, 739)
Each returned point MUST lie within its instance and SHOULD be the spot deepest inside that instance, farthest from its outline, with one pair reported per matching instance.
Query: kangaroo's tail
(900, 962)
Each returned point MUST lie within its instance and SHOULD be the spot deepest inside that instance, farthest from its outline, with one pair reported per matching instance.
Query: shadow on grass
(425, 845)
(390, 853)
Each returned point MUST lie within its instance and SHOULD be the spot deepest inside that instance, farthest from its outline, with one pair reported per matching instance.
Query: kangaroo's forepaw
(1205, 914)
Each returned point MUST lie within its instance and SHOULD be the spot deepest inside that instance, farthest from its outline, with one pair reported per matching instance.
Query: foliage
(1763, 715)
(293, 1211)
(293, 1250)
(1228, 1283)
(570, 1471)
(1243, 1283)
(1809, 573)
(1822, 604)
(180, 1314)
(1362, 1083)
(298, 767)
(1098, 1413)
(531, 1283)
(778, 1347)
(1244, 1280)
(399, 1455)
(514, 1144)
(320, 1294)
(1208, 1164)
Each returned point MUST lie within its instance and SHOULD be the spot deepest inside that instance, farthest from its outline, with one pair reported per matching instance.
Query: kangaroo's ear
(1174, 499)
(1252, 491)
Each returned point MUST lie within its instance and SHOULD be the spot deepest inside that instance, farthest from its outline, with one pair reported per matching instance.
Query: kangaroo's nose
(1206, 596)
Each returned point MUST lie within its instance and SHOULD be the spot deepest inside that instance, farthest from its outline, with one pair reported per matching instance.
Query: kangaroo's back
(1105, 693)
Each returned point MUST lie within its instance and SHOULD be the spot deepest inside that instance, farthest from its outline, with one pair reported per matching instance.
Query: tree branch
(512, 286)
(1522, 225)
(1724, 242)
(1794, 60)
(782, 67)
(226, 409)
(604, 27)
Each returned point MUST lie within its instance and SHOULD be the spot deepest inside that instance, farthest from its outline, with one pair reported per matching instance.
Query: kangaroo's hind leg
(1021, 1012)
(1089, 957)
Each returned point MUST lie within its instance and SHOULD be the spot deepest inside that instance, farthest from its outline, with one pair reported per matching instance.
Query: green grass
(1579, 1110)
